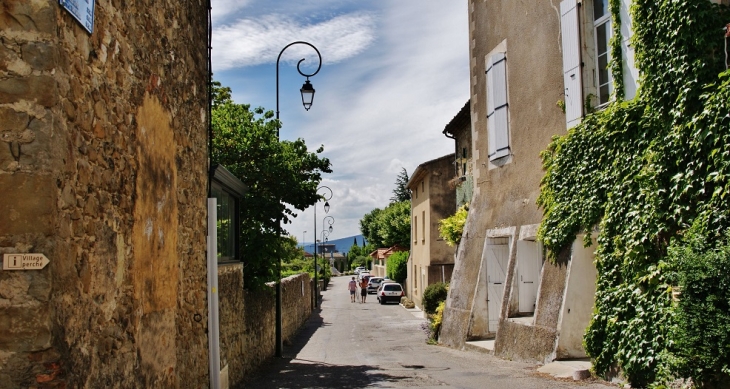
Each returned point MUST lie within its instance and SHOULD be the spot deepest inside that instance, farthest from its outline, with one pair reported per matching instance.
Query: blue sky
(394, 73)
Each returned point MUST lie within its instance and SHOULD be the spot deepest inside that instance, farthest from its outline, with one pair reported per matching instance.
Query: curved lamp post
(307, 92)
(307, 89)
(326, 197)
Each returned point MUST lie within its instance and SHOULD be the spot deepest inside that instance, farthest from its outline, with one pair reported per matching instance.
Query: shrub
(452, 227)
(434, 295)
(397, 267)
(436, 321)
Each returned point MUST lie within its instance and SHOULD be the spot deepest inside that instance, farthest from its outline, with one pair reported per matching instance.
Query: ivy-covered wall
(653, 174)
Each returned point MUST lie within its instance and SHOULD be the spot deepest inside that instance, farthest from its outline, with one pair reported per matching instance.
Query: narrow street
(354, 345)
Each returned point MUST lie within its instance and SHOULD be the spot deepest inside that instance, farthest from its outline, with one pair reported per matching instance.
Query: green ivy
(642, 172)
(452, 227)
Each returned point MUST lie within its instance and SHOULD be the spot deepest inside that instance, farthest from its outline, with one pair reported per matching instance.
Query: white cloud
(394, 74)
(220, 9)
(249, 42)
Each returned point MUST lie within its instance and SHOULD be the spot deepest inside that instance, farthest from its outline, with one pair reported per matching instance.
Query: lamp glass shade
(326, 206)
(330, 228)
(307, 95)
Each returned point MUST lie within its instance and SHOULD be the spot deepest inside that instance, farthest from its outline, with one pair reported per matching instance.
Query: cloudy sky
(394, 73)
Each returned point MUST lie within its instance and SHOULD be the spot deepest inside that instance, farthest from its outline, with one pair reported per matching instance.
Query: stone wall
(103, 160)
(248, 320)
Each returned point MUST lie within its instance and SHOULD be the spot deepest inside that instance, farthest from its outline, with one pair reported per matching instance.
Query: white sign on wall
(24, 261)
(82, 10)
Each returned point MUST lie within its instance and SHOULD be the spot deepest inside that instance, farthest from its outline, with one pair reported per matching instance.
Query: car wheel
(382, 302)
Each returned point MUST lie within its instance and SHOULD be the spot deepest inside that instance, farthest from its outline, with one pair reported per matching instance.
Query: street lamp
(307, 89)
(303, 232)
(307, 92)
(326, 210)
(325, 233)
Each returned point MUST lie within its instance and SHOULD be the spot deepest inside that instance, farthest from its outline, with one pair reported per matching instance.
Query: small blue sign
(82, 10)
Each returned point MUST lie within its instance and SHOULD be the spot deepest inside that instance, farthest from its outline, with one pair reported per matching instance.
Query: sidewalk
(578, 369)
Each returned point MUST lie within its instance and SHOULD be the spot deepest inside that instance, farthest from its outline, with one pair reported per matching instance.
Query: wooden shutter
(497, 109)
(571, 62)
(529, 262)
(496, 253)
(631, 74)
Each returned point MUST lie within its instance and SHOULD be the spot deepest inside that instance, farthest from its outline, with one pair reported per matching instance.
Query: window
(463, 161)
(423, 226)
(227, 190)
(415, 277)
(602, 35)
(415, 229)
(497, 107)
(226, 225)
(591, 39)
(571, 62)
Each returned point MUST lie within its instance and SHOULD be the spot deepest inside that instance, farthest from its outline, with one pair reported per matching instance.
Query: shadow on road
(288, 372)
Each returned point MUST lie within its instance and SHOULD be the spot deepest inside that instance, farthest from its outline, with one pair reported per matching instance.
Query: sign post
(24, 261)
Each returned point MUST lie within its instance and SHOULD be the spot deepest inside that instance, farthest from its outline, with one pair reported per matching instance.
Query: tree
(397, 267)
(282, 177)
(389, 226)
(401, 193)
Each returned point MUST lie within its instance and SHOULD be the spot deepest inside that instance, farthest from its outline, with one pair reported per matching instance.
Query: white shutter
(631, 74)
(528, 271)
(496, 253)
(497, 110)
(571, 62)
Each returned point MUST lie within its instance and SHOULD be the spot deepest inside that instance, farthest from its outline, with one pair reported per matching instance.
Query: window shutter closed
(631, 74)
(497, 112)
(571, 62)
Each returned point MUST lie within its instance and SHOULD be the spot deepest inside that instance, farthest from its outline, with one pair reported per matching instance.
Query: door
(497, 254)
(529, 263)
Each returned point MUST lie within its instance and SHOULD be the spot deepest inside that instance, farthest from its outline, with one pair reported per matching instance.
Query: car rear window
(392, 287)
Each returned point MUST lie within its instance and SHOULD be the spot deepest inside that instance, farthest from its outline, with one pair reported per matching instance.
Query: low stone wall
(248, 319)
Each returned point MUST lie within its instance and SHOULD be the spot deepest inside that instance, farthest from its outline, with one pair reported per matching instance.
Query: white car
(389, 291)
(359, 269)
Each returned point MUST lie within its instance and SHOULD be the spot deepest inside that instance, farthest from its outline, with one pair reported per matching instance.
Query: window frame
(225, 182)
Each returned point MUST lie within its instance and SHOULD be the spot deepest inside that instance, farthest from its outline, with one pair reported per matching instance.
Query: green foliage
(434, 295)
(361, 260)
(702, 315)
(452, 227)
(388, 227)
(401, 193)
(396, 268)
(435, 322)
(282, 176)
(643, 172)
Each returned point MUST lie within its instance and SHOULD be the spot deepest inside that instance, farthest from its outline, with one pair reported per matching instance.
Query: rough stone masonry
(103, 160)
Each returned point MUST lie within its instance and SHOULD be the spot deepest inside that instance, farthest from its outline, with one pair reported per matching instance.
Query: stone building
(431, 260)
(528, 60)
(459, 129)
(103, 169)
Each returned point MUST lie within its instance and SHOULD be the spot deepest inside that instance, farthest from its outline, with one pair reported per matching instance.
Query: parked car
(374, 283)
(360, 269)
(389, 291)
(364, 276)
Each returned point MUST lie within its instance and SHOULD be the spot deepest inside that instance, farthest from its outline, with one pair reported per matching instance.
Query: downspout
(214, 356)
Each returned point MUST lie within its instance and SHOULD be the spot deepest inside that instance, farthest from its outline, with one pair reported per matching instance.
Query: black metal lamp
(307, 95)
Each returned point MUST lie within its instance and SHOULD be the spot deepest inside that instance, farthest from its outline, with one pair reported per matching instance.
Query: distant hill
(342, 245)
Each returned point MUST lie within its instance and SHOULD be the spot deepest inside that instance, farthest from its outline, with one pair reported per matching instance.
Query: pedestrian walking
(363, 289)
(352, 287)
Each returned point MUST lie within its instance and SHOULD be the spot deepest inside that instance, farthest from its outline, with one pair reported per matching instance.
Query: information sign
(82, 10)
(24, 261)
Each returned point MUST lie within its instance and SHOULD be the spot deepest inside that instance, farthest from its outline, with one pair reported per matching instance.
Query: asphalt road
(354, 345)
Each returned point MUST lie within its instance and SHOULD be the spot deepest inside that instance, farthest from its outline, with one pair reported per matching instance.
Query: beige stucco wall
(103, 163)
(577, 309)
(505, 194)
(432, 199)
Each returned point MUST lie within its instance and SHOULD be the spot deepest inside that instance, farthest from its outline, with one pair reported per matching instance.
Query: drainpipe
(214, 355)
